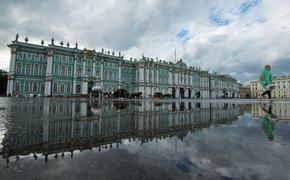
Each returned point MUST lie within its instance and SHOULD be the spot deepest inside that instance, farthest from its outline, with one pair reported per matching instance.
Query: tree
(3, 82)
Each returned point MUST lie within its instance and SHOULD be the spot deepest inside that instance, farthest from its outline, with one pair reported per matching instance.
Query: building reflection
(57, 127)
(280, 111)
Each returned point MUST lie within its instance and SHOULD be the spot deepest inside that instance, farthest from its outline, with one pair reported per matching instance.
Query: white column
(48, 78)
(85, 87)
(141, 74)
(177, 92)
(94, 68)
(170, 77)
(147, 75)
(157, 80)
(119, 75)
(152, 82)
(176, 78)
(75, 76)
(84, 68)
(102, 72)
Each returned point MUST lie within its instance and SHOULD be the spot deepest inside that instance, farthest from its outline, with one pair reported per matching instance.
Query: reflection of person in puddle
(267, 122)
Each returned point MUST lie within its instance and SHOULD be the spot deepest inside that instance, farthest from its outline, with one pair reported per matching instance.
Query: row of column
(84, 84)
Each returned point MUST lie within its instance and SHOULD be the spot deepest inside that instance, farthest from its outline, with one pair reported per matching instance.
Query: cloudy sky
(229, 36)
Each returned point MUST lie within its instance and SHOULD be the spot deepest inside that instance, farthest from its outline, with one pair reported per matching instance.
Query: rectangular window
(19, 56)
(28, 56)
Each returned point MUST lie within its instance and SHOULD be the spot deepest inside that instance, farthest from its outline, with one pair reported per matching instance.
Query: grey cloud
(148, 27)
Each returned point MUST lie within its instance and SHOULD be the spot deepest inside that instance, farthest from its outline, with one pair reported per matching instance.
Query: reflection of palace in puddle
(281, 111)
(65, 126)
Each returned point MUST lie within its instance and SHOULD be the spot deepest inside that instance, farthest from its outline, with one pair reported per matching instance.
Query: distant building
(282, 87)
(245, 92)
(223, 86)
(56, 70)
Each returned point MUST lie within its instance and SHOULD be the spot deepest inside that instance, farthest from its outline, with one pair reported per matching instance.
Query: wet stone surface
(80, 139)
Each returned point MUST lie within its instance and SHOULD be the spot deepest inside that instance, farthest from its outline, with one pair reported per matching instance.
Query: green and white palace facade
(61, 70)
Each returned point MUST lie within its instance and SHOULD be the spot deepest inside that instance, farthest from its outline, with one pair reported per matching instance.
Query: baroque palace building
(63, 70)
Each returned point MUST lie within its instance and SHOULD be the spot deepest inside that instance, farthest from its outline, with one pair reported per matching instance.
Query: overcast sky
(229, 36)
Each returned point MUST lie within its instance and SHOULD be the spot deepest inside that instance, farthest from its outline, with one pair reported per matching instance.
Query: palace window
(19, 56)
(28, 67)
(26, 86)
(36, 57)
(97, 72)
(78, 89)
(69, 71)
(18, 68)
(43, 69)
(36, 69)
(55, 87)
(34, 87)
(68, 88)
(55, 72)
(62, 88)
(63, 71)
(110, 77)
(28, 56)
(88, 72)
(56, 57)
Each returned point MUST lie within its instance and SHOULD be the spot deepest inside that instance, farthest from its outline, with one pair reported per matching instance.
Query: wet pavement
(65, 138)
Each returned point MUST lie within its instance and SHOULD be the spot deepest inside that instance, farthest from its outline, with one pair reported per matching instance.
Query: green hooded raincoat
(266, 78)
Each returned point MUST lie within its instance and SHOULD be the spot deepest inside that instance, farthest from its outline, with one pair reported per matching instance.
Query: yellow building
(282, 87)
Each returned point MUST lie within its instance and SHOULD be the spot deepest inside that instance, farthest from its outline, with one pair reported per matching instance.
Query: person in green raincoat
(266, 81)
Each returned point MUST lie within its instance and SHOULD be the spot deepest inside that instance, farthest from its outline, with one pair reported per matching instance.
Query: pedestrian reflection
(268, 121)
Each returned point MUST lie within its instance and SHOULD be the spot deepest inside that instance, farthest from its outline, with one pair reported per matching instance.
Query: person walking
(266, 81)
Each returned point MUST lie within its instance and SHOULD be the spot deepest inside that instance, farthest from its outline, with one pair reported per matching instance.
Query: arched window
(36, 69)
(55, 87)
(62, 88)
(78, 89)
(69, 88)
(55, 70)
(63, 71)
(69, 71)
(89, 72)
(28, 67)
(18, 68)
(43, 69)
(34, 87)
(26, 86)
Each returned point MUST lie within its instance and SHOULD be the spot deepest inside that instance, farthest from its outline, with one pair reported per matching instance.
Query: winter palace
(55, 70)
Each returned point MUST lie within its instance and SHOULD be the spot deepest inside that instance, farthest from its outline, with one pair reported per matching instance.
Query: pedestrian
(266, 81)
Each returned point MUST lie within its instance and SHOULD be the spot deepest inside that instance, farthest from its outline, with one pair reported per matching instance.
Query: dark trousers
(268, 92)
